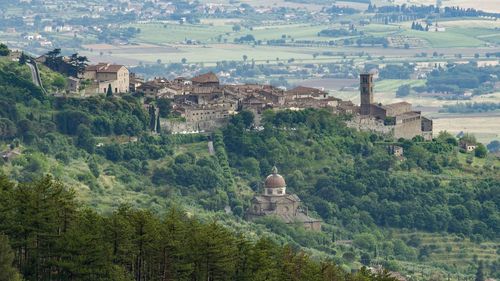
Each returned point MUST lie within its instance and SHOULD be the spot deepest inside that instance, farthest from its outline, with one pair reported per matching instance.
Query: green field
(159, 33)
(458, 34)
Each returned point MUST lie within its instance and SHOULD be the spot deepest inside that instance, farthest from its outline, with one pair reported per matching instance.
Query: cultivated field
(450, 250)
(485, 127)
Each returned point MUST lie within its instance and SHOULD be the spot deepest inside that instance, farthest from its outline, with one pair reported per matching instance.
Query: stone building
(366, 90)
(399, 117)
(206, 80)
(104, 74)
(276, 202)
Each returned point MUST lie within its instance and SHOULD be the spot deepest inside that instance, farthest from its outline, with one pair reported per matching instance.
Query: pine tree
(144, 236)
(7, 270)
(215, 254)
(175, 244)
(119, 234)
(84, 255)
(264, 260)
(42, 211)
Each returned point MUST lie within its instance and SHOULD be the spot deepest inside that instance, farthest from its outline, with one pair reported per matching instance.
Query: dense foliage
(54, 239)
(393, 71)
(456, 79)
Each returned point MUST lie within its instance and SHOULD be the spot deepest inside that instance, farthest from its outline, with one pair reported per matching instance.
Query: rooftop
(209, 77)
(104, 68)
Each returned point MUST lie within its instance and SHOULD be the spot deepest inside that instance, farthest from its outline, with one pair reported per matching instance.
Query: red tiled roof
(301, 90)
(209, 77)
(104, 68)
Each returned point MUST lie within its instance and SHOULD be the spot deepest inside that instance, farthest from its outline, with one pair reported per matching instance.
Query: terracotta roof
(275, 180)
(209, 77)
(395, 105)
(301, 90)
(104, 68)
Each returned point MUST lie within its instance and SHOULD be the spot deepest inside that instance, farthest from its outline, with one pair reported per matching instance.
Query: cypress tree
(480, 272)
(109, 92)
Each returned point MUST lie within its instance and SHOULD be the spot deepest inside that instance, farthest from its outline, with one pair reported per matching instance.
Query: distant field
(296, 31)
(460, 33)
(327, 83)
(486, 127)
(161, 33)
(165, 41)
(448, 39)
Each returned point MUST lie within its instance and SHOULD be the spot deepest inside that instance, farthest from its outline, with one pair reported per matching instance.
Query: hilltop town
(203, 104)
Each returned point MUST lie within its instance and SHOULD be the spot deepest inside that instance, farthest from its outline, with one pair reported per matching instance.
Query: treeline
(341, 10)
(420, 11)
(455, 12)
(394, 71)
(50, 237)
(348, 177)
(423, 11)
(470, 107)
(459, 78)
(418, 26)
(331, 32)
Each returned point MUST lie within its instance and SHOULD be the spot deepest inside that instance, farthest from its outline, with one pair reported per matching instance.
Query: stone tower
(366, 89)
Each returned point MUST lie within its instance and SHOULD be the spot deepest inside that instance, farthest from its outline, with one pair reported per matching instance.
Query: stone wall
(409, 129)
(180, 127)
(398, 109)
(370, 124)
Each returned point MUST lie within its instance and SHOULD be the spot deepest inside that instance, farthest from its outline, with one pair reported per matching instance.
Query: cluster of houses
(202, 103)
(203, 97)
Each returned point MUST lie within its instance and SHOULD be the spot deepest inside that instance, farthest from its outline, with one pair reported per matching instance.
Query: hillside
(410, 215)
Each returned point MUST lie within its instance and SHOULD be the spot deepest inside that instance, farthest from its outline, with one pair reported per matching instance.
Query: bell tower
(366, 91)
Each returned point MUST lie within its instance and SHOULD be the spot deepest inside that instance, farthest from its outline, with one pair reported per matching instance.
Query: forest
(47, 235)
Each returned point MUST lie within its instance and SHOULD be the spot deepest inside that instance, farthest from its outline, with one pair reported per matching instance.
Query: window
(280, 191)
(269, 191)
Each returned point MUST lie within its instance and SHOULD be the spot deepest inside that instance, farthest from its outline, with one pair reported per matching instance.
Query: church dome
(275, 180)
